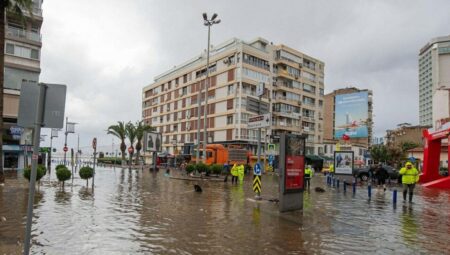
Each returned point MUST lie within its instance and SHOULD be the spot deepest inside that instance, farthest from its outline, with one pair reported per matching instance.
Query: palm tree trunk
(137, 156)
(123, 147)
(2, 70)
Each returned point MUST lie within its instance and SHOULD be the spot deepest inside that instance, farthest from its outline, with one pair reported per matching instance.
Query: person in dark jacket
(381, 174)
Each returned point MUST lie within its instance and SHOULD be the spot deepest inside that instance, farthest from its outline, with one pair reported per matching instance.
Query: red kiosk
(430, 176)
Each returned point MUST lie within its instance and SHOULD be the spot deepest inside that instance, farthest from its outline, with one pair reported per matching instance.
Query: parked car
(363, 173)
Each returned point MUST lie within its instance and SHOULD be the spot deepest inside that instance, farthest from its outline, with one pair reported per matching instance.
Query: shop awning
(326, 158)
(313, 158)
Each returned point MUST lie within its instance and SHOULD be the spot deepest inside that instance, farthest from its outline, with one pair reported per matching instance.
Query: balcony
(23, 34)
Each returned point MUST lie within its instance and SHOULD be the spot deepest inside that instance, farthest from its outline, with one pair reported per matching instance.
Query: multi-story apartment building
(294, 85)
(361, 144)
(22, 63)
(434, 73)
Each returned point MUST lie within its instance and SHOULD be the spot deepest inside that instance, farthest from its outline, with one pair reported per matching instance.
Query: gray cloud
(106, 51)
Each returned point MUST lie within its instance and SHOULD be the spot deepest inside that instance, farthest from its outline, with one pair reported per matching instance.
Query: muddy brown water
(139, 212)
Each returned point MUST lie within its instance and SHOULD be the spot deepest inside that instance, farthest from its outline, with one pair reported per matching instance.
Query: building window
(230, 89)
(229, 119)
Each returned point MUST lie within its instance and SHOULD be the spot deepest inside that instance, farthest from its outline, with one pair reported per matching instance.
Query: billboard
(343, 162)
(294, 164)
(351, 115)
(153, 142)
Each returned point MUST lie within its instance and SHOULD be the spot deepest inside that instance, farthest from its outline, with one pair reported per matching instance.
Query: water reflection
(135, 211)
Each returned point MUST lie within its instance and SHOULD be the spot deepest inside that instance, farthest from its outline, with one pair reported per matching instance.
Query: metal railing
(20, 33)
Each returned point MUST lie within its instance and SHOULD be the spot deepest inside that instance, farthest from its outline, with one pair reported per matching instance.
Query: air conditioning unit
(296, 77)
(226, 61)
(299, 103)
(300, 65)
(188, 128)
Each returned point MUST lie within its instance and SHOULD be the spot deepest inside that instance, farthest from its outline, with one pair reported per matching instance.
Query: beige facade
(405, 133)
(22, 63)
(293, 94)
(434, 73)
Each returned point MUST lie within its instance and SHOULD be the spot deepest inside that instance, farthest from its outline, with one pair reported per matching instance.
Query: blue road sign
(257, 169)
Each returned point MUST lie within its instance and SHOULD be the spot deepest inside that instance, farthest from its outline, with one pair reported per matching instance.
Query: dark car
(363, 173)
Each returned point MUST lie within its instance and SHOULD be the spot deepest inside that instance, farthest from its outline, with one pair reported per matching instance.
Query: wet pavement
(135, 211)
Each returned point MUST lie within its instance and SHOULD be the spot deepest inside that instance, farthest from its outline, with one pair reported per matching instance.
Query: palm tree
(15, 8)
(120, 132)
(141, 128)
(131, 134)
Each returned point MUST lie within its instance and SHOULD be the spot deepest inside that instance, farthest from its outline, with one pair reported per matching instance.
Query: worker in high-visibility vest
(331, 169)
(241, 172)
(234, 173)
(308, 176)
(410, 176)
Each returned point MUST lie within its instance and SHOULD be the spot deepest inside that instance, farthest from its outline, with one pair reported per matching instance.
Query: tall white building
(294, 87)
(434, 73)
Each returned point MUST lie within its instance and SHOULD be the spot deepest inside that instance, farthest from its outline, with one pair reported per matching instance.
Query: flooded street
(135, 211)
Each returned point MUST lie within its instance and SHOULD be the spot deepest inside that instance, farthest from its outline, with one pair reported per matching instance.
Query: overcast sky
(106, 51)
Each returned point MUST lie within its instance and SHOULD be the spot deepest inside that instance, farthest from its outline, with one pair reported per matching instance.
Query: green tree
(141, 128)
(120, 132)
(63, 174)
(14, 8)
(131, 134)
(406, 146)
(86, 173)
(40, 172)
(379, 153)
(395, 155)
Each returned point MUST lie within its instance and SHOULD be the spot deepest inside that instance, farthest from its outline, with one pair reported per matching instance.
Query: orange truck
(219, 154)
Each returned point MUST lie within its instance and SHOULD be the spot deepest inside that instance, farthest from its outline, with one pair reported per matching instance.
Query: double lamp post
(207, 22)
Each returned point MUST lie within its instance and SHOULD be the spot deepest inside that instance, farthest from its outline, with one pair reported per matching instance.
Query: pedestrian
(226, 170)
(308, 176)
(234, 173)
(331, 170)
(381, 174)
(241, 173)
(410, 176)
(371, 174)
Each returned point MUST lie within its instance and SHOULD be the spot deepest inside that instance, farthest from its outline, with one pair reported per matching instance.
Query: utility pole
(34, 162)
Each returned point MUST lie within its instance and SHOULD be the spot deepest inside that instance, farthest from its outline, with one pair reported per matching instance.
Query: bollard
(354, 188)
(394, 197)
(369, 190)
(345, 186)
(337, 183)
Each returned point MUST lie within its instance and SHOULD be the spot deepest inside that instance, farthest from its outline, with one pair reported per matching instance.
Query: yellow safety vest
(409, 176)
(308, 172)
(234, 170)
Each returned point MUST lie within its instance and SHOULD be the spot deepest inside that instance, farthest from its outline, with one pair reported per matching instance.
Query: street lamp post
(53, 134)
(70, 128)
(207, 22)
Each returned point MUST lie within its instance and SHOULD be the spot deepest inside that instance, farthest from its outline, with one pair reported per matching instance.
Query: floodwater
(135, 211)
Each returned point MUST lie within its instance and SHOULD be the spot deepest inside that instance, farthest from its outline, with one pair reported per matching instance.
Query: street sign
(257, 184)
(65, 149)
(55, 101)
(257, 169)
(260, 121)
(271, 159)
(94, 143)
(260, 89)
